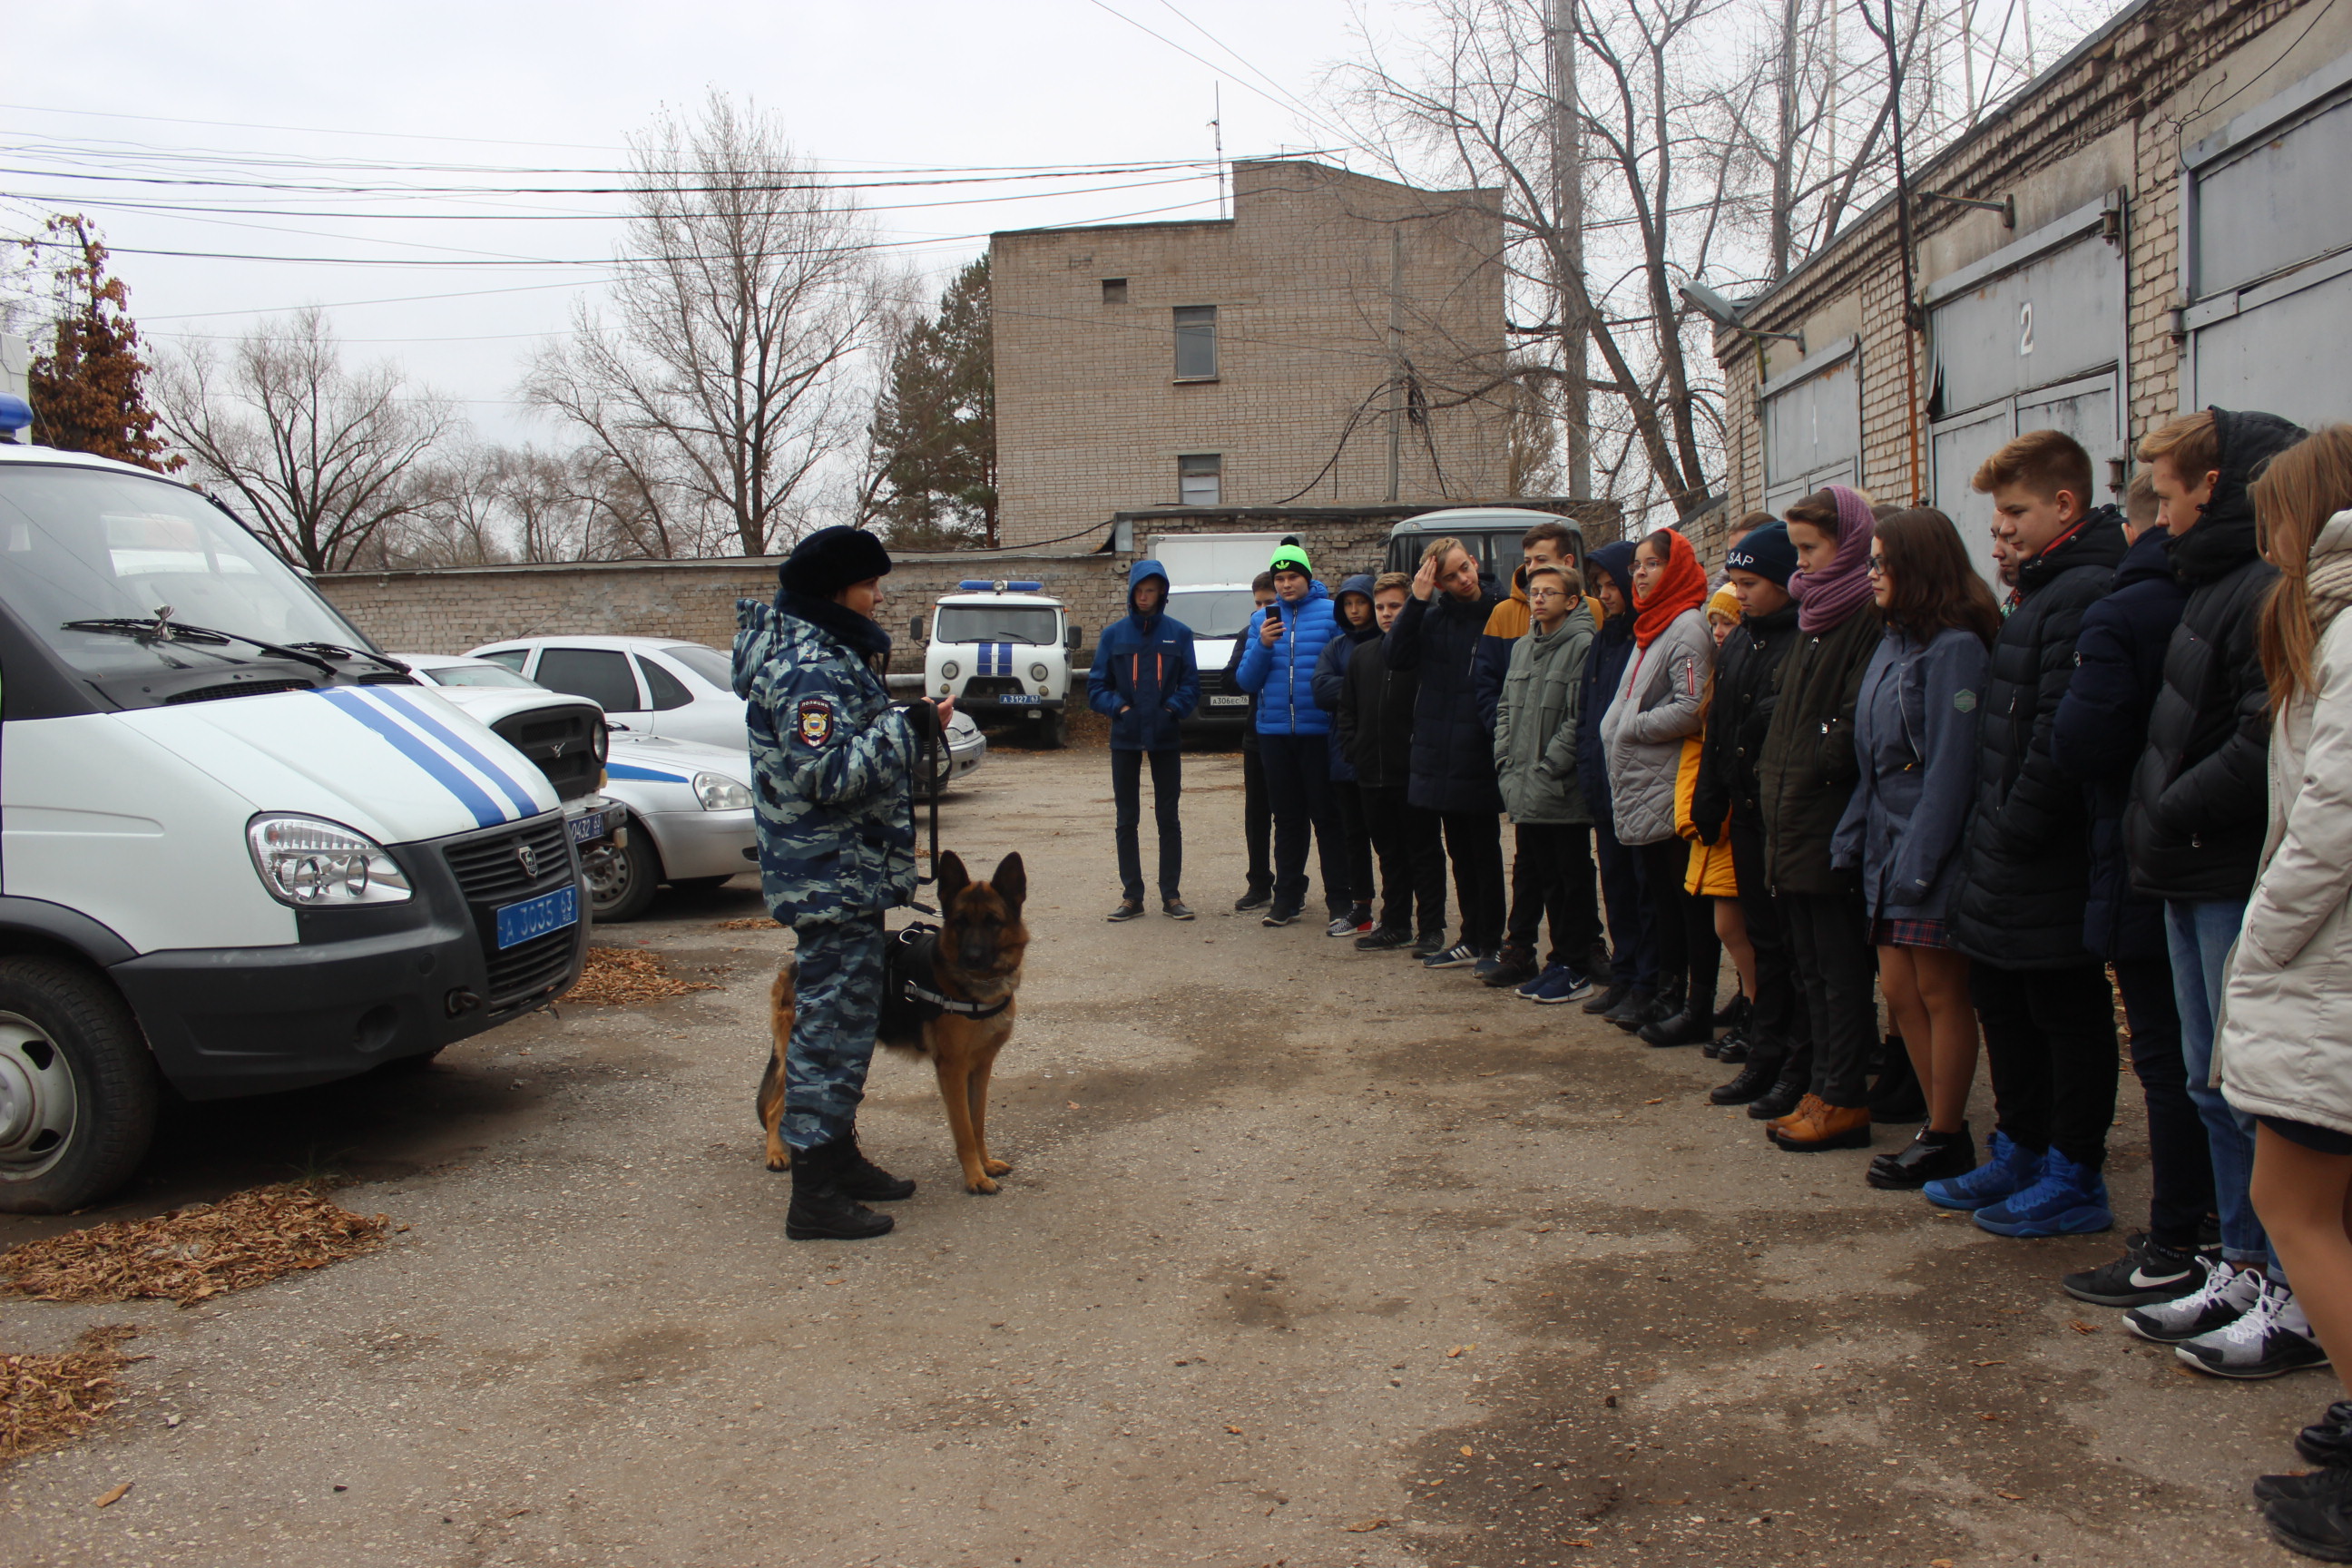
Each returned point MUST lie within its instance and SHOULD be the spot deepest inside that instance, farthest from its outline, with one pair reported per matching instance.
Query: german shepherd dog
(978, 959)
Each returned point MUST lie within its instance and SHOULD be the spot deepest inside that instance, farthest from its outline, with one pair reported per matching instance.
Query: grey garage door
(1813, 426)
(2027, 338)
(2267, 253)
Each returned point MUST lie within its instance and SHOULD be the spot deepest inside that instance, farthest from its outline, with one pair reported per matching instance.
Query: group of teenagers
(1867, 773)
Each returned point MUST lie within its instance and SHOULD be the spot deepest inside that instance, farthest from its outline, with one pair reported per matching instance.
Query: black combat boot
(1665, 1004)
(1761, 1070)
(1795, 1079)
(1692, 1023)
(866, 1183)
(820, 1210)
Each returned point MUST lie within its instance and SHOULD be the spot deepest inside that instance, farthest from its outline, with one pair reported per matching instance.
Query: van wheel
(1053, 730)
(79, 1089)
(623, 885)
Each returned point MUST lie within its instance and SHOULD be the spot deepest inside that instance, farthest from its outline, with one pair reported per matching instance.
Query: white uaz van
(1002, 649)
(240, 850)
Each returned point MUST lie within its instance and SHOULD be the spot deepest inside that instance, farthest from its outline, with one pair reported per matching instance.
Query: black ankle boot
(1732, 1048)
(1931, 1156)
(1734, 1013)
(1795, 1078)
(1762, 1070)
(1608, 1001)
(862, 1180)
(1692, 1023)
(1897, 1096)
(821, 1211)
(1634, 1011)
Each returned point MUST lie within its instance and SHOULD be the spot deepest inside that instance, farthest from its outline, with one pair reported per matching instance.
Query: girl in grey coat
(1660, 702)
(1915, 734)
(2284, 1046)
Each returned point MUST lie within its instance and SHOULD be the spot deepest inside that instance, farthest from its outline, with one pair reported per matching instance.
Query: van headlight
(950, 670)
(1036, 672)
(717, 792)
(312, 864)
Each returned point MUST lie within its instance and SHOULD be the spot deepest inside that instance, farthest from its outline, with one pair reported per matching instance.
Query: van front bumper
(362, 987)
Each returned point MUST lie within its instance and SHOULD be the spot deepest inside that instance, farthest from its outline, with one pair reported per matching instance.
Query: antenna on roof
(1217, 127)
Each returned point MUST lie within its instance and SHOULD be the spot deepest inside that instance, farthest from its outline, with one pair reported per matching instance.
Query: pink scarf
(1826, 599)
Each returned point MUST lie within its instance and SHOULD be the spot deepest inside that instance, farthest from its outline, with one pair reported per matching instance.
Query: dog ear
(952, 879)
(1010, 882)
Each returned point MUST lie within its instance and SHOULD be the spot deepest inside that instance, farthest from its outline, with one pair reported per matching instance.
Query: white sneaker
(2271, 1337)
(2224, 1298)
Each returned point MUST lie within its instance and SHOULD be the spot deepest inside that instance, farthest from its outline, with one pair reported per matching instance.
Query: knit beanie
(831, 559)
(1290, 558)
(1766, 553)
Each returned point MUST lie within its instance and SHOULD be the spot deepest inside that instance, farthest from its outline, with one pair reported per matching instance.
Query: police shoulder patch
(815, 725)
(1966, 701)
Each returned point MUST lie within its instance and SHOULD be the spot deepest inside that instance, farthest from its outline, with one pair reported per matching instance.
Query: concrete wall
(2115, 114)
(1090, 418)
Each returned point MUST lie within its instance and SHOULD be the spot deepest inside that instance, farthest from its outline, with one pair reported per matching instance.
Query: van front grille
(490, 869)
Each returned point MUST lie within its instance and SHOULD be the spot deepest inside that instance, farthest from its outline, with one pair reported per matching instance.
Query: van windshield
(84, 544)
(1213, 612)
(998, 623)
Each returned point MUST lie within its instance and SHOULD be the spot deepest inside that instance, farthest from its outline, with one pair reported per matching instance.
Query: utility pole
(1396, 351)
(1217, 128)
(1568, 248)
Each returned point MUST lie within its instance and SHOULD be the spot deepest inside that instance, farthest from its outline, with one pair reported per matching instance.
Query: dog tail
(768, 1105)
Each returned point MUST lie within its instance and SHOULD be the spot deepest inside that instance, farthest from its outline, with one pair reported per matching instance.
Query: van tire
(64, 1027)
(628, 889)
(1052, 730)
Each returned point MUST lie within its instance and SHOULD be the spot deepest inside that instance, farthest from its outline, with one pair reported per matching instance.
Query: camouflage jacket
(832, 760)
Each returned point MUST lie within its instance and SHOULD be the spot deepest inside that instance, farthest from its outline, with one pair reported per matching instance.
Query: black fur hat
(831, 559)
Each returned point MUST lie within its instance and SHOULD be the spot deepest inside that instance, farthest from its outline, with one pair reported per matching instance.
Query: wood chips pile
(190, 1253)
(618, 975)
(46, 1401)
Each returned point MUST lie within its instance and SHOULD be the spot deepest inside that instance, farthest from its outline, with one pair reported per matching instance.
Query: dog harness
(911, 997)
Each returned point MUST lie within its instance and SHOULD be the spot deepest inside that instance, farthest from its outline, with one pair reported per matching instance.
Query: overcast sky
(878, 85)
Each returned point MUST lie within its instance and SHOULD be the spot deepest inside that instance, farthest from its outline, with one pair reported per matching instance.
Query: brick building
(1252, 361)
(2174, 236)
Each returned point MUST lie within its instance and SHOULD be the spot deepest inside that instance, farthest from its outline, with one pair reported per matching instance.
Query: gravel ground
(1307, 1258)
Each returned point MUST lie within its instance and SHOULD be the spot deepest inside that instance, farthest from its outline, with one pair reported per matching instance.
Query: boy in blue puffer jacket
(1144, 682)
(1279, 652)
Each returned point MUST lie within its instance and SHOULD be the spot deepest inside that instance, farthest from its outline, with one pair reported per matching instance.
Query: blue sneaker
(1563, 984)
(2068, 1199)
(1526, 992)
(2011, 1168)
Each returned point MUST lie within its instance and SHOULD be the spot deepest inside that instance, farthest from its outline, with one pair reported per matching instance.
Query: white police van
(240, 849)
(1002, 649)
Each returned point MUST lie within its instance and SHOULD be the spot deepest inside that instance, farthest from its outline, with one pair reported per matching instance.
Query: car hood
(657, 758)
(396, 762)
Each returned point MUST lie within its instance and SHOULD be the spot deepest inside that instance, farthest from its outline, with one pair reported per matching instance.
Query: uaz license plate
(587, 827)
(537, 917)
(1015, 700)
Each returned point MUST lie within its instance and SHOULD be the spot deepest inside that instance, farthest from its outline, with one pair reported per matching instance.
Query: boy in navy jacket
(1144, 682)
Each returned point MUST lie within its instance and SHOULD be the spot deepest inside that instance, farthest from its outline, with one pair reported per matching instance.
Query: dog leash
(934, 736)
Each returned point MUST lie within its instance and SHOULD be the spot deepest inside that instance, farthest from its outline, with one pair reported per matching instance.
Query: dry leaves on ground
(190, 1253)
(47, 1401)
(749, 923)
(615, 977)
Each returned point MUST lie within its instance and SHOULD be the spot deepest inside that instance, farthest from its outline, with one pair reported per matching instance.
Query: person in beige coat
(2283, 1050)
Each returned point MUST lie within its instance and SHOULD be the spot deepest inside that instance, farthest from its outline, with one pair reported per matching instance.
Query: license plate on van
(587, 827)
(537, 917)
(1020, 699)
(1222, 700)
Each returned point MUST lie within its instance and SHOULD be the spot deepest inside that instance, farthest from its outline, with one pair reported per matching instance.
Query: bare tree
(721, 383)
(317, 457)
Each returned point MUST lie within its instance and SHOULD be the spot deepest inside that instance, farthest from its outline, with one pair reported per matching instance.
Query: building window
(1196, 343)
(1114, 290)
(1200, 480)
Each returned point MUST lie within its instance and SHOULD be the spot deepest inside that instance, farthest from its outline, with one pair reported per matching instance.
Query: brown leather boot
(1805, 1108)
(1820, 1125)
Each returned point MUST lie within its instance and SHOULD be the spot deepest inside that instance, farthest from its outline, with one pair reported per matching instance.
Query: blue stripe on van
(467, 749)
(486, 811)
(633, 771)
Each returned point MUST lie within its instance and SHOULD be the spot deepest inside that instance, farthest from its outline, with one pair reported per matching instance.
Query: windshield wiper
(337, 650)
(163, 628)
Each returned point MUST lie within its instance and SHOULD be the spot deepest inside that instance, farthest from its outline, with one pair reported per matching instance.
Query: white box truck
(1209, 577)
(240, 849)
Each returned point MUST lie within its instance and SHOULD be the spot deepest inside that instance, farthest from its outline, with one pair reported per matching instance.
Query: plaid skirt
(1908, 933)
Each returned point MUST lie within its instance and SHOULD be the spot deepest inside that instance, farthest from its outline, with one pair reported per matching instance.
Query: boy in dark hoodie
(1356, 627)
(1633, 941)
(1144, 682)
(1375, 731)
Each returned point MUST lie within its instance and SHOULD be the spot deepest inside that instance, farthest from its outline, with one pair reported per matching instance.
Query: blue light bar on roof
(1001, 585)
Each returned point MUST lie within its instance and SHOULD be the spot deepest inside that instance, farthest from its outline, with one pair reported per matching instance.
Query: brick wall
(2116, 113)
(1090, 418)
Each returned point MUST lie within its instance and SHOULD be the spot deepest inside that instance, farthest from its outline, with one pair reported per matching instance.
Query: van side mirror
(915, 628)
(1070, 638)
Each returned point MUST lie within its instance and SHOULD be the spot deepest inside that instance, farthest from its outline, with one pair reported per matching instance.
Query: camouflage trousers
(838, 997)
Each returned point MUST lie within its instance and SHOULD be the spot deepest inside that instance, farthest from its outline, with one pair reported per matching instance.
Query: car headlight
(312, 863)
(717, 792)
(1036, 672)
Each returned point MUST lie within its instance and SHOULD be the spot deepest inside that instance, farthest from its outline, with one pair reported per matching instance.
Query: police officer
(833, 761)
